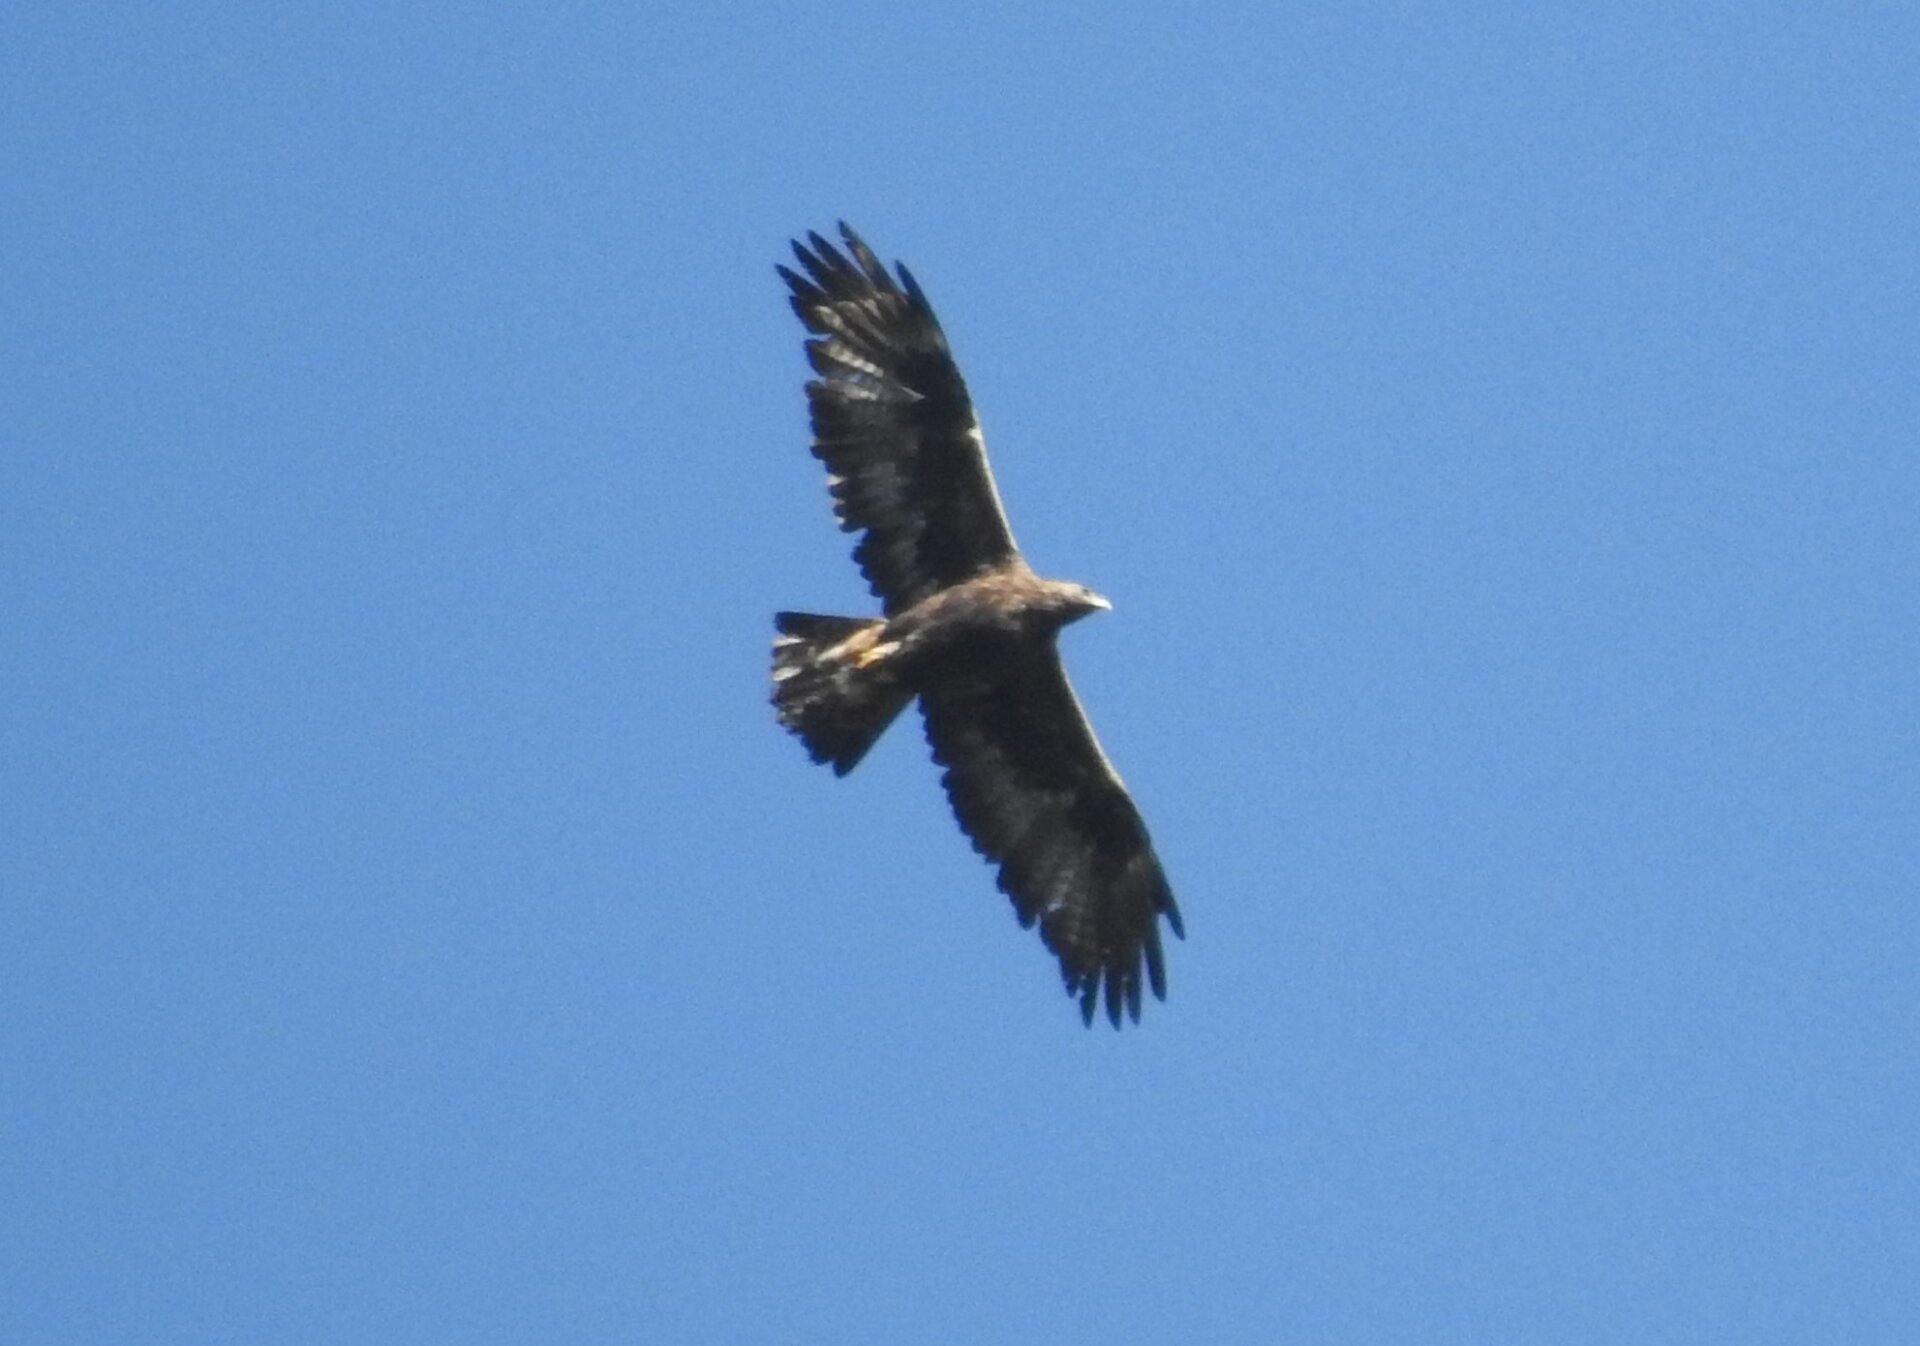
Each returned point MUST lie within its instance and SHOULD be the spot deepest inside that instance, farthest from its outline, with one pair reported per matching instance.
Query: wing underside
(1031, 787)
(894, 425)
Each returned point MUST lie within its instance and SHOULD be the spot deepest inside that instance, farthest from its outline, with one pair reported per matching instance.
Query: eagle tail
(832, 686)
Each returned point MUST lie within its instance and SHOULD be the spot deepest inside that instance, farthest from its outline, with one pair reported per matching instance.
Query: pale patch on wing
(979, 439)
(847, 356)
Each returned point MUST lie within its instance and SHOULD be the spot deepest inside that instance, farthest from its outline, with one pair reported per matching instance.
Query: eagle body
(839, 681)
(966, 629)
(974, 627)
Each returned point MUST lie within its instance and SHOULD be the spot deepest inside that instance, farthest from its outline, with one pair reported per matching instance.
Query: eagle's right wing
(893, 423)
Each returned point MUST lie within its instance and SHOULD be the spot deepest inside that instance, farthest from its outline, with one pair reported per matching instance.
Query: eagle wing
(894, 425)
(1031, 787)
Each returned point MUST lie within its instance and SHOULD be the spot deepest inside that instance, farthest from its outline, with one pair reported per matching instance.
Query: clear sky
(1497, 427)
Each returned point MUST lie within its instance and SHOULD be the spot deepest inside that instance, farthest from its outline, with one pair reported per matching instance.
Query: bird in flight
(966, 627)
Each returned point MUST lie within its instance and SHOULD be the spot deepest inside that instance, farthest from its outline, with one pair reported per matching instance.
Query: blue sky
(1494, 425)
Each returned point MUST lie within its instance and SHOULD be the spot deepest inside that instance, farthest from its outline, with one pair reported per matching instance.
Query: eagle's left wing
(1031, 787)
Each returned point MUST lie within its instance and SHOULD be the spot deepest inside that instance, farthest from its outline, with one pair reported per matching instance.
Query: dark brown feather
(1033, 790)
(893, 423)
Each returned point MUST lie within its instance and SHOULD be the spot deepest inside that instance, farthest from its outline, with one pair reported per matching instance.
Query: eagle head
(1069, 602)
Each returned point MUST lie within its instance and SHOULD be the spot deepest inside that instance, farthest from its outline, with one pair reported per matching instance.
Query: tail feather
(831, 685)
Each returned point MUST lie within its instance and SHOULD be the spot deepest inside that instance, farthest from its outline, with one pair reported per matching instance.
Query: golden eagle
(968, 628)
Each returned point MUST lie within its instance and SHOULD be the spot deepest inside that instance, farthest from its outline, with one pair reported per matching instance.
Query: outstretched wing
(893, 423)
(1030, 785)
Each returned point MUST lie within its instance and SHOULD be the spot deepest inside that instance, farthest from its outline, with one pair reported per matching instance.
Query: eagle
(966, 628)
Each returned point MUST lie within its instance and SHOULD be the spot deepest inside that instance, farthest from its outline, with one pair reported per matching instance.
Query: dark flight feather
(894, 425)
(1032, 788)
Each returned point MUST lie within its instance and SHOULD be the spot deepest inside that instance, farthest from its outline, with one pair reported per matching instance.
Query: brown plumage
(966, 627)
